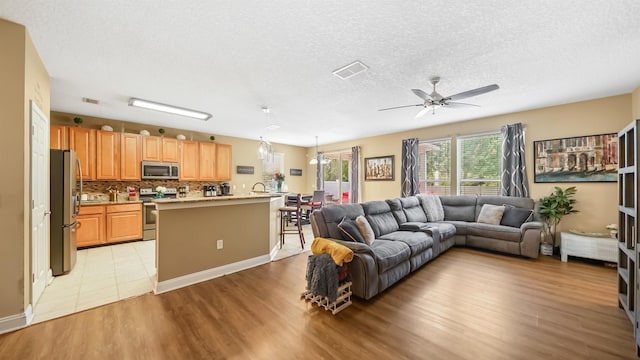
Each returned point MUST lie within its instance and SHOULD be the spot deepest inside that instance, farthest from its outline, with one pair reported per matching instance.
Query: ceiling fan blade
(421, 94)
(400, 107)
(474, 92)
(422, 112)
(453, 104)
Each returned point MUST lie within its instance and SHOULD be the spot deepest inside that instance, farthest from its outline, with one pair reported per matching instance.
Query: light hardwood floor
(466, 304)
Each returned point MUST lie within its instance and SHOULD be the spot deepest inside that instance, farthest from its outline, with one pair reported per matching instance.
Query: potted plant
(554, 207)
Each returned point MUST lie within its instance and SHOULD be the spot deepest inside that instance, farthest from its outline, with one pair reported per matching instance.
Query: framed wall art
(379, 168)
(592, 158)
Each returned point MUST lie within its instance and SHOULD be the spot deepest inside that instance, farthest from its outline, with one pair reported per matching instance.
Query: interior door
(39, 203)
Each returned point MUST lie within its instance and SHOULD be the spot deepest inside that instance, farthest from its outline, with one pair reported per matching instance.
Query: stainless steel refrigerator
(65, 191)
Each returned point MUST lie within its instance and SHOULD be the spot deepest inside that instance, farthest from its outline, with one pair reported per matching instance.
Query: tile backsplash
(98, 189)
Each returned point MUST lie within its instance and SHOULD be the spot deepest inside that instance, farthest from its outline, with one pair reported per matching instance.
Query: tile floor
(106, 274)
(101, 275)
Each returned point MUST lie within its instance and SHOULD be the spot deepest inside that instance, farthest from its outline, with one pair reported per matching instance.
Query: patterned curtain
(514, 172)
(355, 174)
(409, 174)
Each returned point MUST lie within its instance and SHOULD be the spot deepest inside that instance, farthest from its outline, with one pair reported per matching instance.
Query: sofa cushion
(396, 210)
(365, 230)
(350, 231)
(497, 232)
(413, 210)
(417, 241)
(526, 203)
(459, 208)
(333, 215)
(460, 226)
(379, 215)
(389, 254)
(515, 216)
(446, 230)
(432, 207)
(491, 214)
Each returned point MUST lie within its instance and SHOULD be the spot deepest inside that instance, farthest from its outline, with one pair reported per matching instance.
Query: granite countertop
(215, 198)
(107, 202)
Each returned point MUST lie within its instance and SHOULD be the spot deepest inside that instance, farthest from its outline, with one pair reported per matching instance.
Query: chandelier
(265, 150)
(314, 161)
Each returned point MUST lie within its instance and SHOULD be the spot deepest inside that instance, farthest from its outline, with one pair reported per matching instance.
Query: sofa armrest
(530, 238)
(531, 225)
(363, 269)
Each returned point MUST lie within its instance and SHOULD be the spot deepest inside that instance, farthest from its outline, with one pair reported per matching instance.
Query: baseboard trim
(186, 280)
(15, 322)
(274, 252)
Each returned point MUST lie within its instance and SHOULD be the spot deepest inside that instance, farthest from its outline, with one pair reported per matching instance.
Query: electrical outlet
(219, 244)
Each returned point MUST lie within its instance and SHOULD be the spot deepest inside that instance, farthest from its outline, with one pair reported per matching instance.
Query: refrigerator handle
(79, 196)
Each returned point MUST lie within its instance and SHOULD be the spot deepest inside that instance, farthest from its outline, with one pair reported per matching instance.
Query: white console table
(590, 247)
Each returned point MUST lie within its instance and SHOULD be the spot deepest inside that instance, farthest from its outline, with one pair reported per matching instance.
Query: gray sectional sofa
(411, 231)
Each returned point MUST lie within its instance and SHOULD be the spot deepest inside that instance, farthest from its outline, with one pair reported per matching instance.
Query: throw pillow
(491, 214)
(350, 231)
(515, 216)
(365, 229)
(433, 207)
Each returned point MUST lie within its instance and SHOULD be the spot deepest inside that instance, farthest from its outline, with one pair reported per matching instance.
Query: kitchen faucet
(264, 188)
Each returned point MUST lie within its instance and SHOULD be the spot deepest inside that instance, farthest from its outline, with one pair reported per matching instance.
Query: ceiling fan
(434, 100)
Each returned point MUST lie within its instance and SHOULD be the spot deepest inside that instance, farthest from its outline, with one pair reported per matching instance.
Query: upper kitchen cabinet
(189, 160)
(130, 156)
(156, 148)
(151, 148)
(207, 161)
(223, 162)
(59, 137)
(170, 150)
(107, 155)
(83, 142)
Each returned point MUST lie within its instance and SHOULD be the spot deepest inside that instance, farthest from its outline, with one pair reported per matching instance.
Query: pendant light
(265, 150)
(314, 161)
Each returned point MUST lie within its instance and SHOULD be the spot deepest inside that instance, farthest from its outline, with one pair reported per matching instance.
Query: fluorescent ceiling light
(169, 109)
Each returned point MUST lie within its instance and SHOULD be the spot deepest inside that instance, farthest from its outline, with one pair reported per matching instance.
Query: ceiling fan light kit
(176, 110)
(435, 100)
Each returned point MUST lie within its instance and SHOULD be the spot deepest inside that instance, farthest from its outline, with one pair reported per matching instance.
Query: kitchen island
(198, 239)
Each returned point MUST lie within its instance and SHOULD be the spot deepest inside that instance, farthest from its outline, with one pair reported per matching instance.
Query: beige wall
(244, 229)
(635, 96)
(23, 78)
(244, 151)
(596, 201)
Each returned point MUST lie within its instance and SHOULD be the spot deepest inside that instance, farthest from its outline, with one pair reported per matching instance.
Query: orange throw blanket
(339, 253)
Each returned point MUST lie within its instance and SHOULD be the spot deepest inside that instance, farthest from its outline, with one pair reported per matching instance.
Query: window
(435, 167)
(478, 167)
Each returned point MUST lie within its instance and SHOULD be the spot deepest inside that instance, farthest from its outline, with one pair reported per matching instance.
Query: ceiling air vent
(350, 70)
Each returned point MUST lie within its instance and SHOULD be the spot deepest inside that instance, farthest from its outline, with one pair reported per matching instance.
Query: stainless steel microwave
(159, 170)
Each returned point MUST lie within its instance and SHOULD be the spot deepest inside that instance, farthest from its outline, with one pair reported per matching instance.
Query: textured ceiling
(231, 58)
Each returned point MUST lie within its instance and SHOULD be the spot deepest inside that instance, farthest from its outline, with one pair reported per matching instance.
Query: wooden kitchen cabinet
(157, 148)
(189, 160)
(151, 148)
(107, 155)
(90, 229)
(170, 150)
(207, 163)
(83, 142)
(223, 162)
(130, 156)
(124, 222)
(58, 137)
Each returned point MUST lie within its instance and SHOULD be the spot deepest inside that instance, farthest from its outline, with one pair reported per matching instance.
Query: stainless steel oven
(148, 221)
(149, 211)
